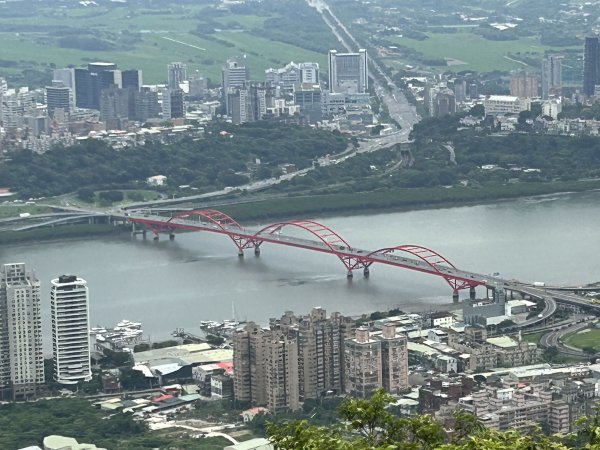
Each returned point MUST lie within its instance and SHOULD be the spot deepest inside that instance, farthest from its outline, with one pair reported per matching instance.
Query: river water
(198, 276)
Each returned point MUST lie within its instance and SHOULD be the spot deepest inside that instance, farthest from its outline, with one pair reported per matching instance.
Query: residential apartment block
(21, 360)
(374, 360)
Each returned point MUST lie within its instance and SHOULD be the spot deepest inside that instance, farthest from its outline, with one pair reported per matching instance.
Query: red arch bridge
(318, 238)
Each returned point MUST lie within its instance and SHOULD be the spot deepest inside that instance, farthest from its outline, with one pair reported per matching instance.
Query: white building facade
(69, 308)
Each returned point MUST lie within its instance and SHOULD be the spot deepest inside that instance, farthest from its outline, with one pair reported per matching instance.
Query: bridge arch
(221, 220)
(330, 239)
(218, 218)
(433, 259)
(322, 232)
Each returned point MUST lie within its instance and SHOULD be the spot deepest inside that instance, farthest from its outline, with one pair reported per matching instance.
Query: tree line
(216, 161)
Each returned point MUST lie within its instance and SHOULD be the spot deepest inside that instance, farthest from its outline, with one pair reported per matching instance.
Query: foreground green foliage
(367, 424)
(25, 424)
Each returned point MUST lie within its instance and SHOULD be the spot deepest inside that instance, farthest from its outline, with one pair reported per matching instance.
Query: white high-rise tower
(70, 329)
(21, 359)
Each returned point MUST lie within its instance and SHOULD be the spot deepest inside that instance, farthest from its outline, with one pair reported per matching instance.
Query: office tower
(21, 360)
(67, 76)
(69, 309)
(114, 106)
(551, 76)
(459, 87)
(197, 86)
(376, 360)
(90, 82)
(591, 65)
(176, 74)
(348, 72)
(131, 79)
(309, 72)
(524, 85)
(58, 96)
(235, 74)
(177, 104)
(145, 105)
(309, 97)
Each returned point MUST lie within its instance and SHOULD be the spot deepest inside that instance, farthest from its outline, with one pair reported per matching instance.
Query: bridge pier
(172, 236)
(257, 251)
(155, 237)
(240, 253)
(366, 272)
(455, 296)
(472, 294)
(349, 274)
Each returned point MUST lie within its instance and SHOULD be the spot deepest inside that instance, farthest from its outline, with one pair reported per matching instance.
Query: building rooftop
(502, 342)
(169, 352)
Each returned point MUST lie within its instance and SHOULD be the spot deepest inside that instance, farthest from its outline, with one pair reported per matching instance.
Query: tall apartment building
(591, 65)
(376, 360)
(249, 356)
(296, 358)
(282, 384)
(363, 364)
(69, 309)
(551, 75)
(348, 72)
(235, 74)
(21, 360)
(524, 85)
(177, 74)
(320, 349)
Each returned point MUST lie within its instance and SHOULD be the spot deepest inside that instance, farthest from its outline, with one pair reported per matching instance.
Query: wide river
(198, 276)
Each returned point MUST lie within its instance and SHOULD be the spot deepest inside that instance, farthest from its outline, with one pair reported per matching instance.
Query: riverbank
(61, 233)
(395, 200)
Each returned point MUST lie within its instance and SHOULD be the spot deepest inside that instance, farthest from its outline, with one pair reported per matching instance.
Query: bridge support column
(455, 296)
(366, 272)
(155, 237)
(349, 274)
(133, 233)
(472, 294)
(240, 253)
(172, 236)
(257, 251)
(144, 232)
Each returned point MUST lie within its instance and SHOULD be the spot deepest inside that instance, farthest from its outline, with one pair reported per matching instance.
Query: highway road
(554, 338)
(397, 104)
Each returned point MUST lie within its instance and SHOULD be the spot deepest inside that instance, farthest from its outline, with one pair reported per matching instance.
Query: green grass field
(587, 339)
(470, 51)
(7, 211)
(533, 337)
(159, 32)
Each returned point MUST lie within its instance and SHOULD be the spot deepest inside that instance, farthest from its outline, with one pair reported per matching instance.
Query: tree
(86, 195)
